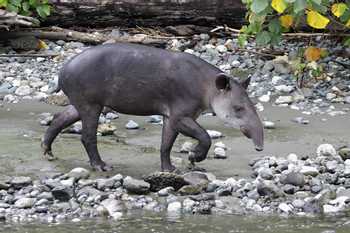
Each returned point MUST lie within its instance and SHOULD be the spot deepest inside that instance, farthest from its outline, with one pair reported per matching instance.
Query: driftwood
(148, 13)
(30, 55)
(56, 33)
(8, 19)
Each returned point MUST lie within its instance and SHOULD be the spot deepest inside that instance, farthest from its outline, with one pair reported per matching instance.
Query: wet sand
(136, 152)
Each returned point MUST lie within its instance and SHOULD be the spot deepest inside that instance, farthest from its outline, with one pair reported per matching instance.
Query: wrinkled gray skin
(141, 80)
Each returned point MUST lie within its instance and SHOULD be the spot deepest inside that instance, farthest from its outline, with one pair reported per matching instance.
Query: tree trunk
(148, 13)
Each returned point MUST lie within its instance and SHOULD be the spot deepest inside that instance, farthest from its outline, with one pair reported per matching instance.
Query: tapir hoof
(48, 153)
(169, 168)
(101, 167)
(194, 157)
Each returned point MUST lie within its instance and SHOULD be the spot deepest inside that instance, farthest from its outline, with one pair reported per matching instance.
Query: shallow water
(136, 153)
(143, 222)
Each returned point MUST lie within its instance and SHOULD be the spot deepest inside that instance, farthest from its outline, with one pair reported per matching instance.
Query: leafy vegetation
(39, 8)
(268, 19)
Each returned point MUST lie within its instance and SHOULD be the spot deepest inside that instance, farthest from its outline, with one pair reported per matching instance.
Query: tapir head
(232, 104)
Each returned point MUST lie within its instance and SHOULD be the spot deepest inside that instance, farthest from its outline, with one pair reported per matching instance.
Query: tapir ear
(245, 83)
(222, 81)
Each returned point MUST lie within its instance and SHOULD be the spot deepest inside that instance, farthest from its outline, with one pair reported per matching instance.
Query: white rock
(23, 90)
(188, 205)
(190, 51)
(221, 145)
(25, 202)
(264, 98)
(330, 96)
(214, 134)
(309, 171)
(269, 125)
(68, 182)
(276, 79)
(285, 208)
(284, 99)
(187, 147)
(339, 201)
(220, 153)
(117, 215)
(292, 158)
(40, 59)
(174, 207)
(79, 173)
(131, 125)
(257, 208)
(111, 116)
(284, 88)
(326, 150)
(232, 182)
(329, 209)
(221, 48)
(235, 64)
(165, 191)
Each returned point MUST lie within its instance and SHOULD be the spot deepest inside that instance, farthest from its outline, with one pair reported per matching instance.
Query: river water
(151, 223)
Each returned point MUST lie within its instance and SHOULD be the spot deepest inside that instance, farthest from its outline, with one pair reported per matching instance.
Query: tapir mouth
(246, 132)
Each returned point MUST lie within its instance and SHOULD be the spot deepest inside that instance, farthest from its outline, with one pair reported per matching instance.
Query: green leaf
(319, 2)
(263, 38)
(275, 38)
(242, 38)
(33, 3)
(347, 42)
(3, 3)
(275, 26)
(259, 5)
(16, 2)
(25, 6)
(345, 17)
(43, 11)
(12, 8)
(299, 5)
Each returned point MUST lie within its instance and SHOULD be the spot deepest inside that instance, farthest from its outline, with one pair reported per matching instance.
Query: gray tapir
(141, 80)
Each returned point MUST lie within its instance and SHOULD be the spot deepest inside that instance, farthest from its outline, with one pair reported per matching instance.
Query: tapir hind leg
(60, 121)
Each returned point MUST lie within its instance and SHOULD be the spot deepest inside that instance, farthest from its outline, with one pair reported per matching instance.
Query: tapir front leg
(189, 127)
(169, 135)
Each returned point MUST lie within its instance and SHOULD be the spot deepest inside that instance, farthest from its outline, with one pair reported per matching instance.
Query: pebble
(309, 171)
(25, 203)
(220, 153)
(284, 100)
(326, 150)
(79, 173)
(174, 206)
(269, 125)
(214, 134)
(136, 186)
(131, 125)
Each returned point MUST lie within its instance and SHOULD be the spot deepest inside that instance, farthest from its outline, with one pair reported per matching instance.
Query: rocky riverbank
(304, 185)
(273, 80)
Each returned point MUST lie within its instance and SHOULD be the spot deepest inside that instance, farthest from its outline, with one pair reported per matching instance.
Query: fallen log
(149, 13)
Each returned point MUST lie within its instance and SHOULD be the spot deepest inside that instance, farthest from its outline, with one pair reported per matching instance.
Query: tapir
(141, 80)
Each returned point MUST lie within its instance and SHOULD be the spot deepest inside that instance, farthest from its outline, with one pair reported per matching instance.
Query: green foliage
(268, 19)
(39, 8)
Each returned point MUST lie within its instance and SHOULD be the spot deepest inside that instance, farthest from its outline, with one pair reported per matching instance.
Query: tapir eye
(237, 108)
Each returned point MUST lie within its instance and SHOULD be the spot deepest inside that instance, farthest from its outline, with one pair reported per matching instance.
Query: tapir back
(135, 79)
